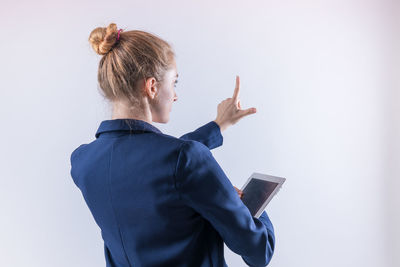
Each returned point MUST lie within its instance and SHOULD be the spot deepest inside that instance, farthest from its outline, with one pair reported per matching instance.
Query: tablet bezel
(269, 178)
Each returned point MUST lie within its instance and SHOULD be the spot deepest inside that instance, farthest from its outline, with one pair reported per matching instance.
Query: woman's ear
(150, 87)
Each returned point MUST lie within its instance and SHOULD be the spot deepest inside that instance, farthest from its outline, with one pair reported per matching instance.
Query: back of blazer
(165, 201)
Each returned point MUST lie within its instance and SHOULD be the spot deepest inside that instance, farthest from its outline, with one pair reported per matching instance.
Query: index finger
(237, 88)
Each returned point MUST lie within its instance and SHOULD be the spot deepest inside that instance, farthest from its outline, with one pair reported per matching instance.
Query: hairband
(120, 30)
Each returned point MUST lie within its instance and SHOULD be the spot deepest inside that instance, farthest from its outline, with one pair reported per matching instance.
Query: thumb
(248, 111)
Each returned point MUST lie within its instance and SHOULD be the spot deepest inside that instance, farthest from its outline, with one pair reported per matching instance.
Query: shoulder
(190, 146)
(193, 154)
(193, 147)
(76, 151)
(77, 154)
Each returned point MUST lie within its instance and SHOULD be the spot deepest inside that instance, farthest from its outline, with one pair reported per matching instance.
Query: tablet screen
(256, 193)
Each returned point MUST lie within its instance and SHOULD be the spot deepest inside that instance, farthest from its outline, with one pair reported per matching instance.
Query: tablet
(258, 190)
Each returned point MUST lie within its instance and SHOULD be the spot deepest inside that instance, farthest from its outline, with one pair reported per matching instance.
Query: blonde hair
(135, 56)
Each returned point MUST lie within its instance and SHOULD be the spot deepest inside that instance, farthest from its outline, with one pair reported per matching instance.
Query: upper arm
(208, 134)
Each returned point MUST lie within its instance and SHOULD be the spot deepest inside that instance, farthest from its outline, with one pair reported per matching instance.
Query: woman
(161, 200)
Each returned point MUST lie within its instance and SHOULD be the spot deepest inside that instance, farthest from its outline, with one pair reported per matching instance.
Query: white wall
(393, 142)
(327, 120)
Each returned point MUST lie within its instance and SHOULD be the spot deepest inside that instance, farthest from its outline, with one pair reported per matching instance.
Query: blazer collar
(129, 125)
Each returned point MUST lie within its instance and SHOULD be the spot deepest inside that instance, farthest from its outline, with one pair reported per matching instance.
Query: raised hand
(229, 111)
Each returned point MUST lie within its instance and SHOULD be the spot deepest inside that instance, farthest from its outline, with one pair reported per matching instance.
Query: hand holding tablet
(258, 190)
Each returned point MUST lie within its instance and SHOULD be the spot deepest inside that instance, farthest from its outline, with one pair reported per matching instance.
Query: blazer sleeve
(203, 186)
(208, 134)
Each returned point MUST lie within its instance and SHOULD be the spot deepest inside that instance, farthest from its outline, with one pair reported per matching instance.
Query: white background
(323, 76)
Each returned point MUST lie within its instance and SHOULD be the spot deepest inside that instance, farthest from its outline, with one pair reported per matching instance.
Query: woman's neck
(122, 110)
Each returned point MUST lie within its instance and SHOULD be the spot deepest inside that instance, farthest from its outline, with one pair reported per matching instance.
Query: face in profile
(165, 96)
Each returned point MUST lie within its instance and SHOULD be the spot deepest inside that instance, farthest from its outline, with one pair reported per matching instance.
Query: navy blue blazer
(165, 201)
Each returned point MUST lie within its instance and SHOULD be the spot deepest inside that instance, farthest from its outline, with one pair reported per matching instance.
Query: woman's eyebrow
(177, 75)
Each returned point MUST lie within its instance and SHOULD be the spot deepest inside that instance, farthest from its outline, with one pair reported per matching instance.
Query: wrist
(221, 126)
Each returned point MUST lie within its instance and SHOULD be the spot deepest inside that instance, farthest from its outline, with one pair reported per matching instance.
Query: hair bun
(103, 39)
